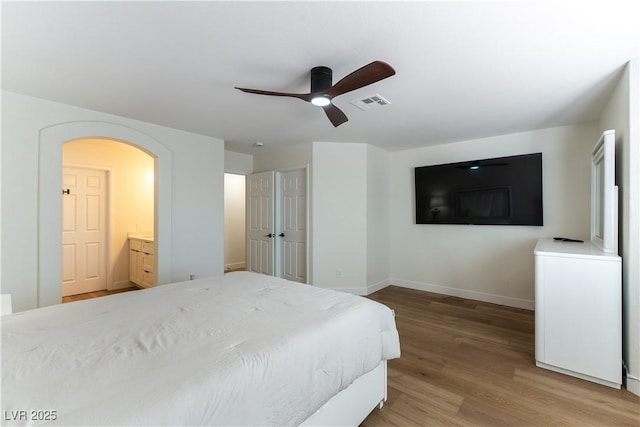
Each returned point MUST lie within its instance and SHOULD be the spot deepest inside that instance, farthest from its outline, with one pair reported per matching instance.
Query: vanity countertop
(148, 236)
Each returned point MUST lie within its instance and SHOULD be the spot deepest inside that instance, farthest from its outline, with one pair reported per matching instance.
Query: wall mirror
(604, 194)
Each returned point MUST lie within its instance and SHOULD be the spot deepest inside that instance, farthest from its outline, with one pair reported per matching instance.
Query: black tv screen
(499, 191)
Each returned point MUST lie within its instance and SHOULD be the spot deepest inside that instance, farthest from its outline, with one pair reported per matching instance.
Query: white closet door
(260, 222)
(292, 225)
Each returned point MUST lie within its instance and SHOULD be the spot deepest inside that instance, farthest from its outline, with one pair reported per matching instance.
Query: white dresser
(579, 311)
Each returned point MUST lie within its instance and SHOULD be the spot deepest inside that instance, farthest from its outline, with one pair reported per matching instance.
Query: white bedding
(240, 349)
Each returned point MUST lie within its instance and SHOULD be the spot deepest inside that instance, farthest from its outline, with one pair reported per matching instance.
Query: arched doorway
(108, 193)
(50, 204)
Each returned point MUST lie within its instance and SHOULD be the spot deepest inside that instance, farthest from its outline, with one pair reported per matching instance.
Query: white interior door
(260, 222)
(292, 225)
(83, 230)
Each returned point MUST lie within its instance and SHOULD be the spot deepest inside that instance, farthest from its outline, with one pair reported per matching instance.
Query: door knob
(270, 235)
(281, 234)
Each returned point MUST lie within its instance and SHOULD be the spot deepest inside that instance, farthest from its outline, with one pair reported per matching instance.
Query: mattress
(239, 349)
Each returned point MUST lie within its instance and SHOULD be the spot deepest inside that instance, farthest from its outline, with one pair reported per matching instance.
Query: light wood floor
(96, 294)
(467, 363)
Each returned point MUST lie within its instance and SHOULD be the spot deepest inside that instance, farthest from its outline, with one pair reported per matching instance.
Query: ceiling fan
(322, 92)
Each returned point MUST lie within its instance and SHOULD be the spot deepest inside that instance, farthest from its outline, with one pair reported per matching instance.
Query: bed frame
(352, 405)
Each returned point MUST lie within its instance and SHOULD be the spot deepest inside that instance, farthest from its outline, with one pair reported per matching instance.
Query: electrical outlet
(192, 277)
(338, 274)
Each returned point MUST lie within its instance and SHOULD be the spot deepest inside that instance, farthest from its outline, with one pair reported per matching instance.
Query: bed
(239, 349)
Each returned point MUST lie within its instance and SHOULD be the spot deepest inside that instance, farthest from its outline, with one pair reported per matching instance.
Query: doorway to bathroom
(107, 195)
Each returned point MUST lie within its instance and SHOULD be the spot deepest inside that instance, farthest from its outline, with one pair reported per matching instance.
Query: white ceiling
(464, 69)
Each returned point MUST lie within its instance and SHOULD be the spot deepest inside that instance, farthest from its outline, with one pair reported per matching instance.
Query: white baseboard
(444, 290)
(377, 286)
(463, 293)
(355, 291)
(235, 266)
(633, 384)
(365, 290)
(578, 375)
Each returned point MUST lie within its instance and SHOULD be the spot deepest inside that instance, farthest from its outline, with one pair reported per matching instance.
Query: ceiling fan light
(321, 101)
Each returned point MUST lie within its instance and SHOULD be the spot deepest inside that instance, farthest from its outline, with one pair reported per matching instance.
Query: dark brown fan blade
(304, 96)
(364, 76)
(335, 115)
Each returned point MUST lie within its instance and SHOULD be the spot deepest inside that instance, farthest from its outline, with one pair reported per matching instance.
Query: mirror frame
(604, 197)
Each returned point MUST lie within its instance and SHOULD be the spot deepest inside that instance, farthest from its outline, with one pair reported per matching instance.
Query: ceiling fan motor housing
(320, 79)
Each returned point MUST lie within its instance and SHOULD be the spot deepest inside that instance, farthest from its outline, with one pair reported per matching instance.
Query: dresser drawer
(148, 262)
(135, 244)
(148, 247)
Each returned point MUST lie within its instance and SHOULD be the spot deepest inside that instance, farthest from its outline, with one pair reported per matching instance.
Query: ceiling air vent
(370, 102)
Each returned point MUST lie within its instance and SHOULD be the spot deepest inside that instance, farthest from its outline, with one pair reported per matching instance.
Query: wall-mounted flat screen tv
(499, 191)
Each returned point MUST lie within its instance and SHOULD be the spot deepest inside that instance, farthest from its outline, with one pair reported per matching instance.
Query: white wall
(349, 194)
(238, 163)
(378, 218)
(196, 205)
(234, 222)
(131, 195)
(490, 263)
(339, 216)
(294, 156)
(622, 114)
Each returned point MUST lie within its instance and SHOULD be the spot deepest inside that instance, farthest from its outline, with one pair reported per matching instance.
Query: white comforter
(241, 349)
